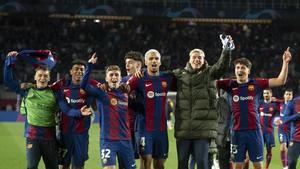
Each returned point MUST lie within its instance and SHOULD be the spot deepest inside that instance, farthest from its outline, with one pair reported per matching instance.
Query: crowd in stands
(263, 44)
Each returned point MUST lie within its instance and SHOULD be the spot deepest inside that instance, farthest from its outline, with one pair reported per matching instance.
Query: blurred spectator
(70, 39)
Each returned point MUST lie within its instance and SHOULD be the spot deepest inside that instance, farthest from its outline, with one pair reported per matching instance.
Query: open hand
(139, 74)
(277, 121)
(103, 86)
(12, 54)
(86, 111)
(26, 86)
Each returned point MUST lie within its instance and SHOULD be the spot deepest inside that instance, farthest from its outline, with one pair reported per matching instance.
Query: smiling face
(42, 78)
(241, 72)
(152, 61)
(76, 72)
(196, 58)
(113, 78)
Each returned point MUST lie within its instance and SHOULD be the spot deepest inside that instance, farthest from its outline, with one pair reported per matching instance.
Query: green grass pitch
(12, 149)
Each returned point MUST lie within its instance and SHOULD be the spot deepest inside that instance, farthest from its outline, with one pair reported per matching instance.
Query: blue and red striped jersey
(244, 100)
(267, 111)
(114, 117)
(153, 90)
(292, 115)
(284, 127)
(76, 98)
(131, 105)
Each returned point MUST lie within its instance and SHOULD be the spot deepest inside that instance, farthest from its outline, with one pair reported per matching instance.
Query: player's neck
(241, 81)
(267, 101)
(40, 86)
(75, 82)
(114, 85)
(153, 73)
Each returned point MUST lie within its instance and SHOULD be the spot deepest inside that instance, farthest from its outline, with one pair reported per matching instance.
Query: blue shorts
(247, 140)
(77, 149)
(293, 154)
(135, 145)
(110, 149)
(284, 137)
(269, 139)
(135, 149)
(154, 143)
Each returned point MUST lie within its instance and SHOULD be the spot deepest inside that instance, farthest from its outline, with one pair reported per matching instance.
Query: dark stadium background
(261, 29)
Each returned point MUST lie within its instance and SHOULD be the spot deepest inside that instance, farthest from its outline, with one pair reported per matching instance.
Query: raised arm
(222, 65)
(289, 113)
(91, 89)
(9, 78)
(281, 79)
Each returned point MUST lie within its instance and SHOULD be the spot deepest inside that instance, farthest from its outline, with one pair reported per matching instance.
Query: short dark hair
(112, 68)
(288, 90)
(78, 62)
(243, 61)
(135, 55)
(269, 89)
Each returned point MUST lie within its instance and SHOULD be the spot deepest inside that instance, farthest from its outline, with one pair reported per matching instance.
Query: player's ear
(36, 75)
(159, 61)
(49, 77)
(106, 78)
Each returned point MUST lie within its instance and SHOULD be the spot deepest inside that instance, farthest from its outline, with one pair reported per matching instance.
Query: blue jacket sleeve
(289, 113)
(9, 79)
(64, 106)
(90, 89)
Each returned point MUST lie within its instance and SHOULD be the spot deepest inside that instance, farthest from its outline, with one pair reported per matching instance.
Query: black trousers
(224, 156)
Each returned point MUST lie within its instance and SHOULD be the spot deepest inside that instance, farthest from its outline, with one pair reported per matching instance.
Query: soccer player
(152, 123)
(284, 129)
(267, 110)
(292, 115)
(40, 106)
(115, 138)
(73, 138)
(244, 93)
(74, 130)
(133, 63)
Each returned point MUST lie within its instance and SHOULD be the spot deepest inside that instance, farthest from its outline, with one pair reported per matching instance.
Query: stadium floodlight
(97, 20)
